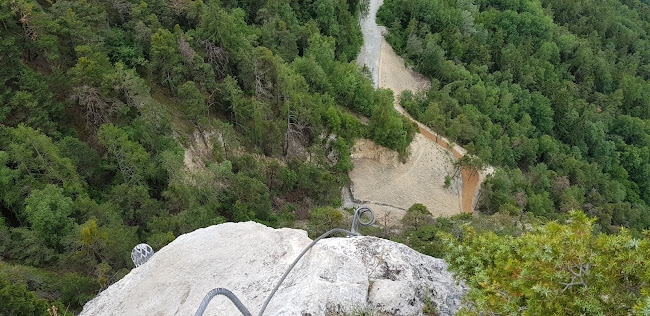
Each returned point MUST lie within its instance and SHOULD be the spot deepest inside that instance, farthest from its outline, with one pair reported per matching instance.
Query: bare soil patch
(390, 187)
(393, 74)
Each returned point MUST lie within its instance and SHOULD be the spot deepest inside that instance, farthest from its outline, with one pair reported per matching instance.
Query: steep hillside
(137, 121)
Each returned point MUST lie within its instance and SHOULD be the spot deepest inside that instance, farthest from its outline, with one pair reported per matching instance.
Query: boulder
(338, 275)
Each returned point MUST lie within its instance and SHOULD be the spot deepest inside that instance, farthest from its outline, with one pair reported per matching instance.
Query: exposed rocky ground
(337, 275)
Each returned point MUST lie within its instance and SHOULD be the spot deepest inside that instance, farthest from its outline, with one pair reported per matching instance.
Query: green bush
(16, 300)
(322, 219)
(416, 216)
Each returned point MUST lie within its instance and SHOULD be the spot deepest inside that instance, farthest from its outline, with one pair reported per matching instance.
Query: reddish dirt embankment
(471, 179)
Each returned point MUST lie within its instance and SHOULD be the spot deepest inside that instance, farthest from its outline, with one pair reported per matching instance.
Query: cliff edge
(338, 275)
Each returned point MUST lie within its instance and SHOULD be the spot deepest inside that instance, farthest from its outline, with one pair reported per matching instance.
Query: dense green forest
(99, 100)
(555, 92)
(103, 101)
(556, 95)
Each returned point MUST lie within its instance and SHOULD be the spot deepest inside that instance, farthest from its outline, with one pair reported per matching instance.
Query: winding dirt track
(395, 76)
(389, 71)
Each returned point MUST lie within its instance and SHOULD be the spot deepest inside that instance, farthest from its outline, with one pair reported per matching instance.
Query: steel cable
(221, 291)
(356, 221)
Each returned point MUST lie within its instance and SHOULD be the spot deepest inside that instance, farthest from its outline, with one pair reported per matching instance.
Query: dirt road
(382, 183)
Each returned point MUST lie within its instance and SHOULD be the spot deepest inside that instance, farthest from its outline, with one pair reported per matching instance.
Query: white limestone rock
(337, 275)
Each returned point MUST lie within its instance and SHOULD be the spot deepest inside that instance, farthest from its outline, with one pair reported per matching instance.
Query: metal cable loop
(357, 219)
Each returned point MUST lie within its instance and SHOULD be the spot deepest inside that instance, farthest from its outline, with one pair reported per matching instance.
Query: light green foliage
(136, 205)
(321, 49)
(279, 29)
(343, 152)
(91, 68)
(353, 89)
(47, 212)
(313, 73)
(131, 159)
(555, 269)
(34, 152)
(429, 307)
(334, 19)
(130, 87)
(228, 29)
(102, 240)
(333, 119)
(164, 57)
(447, 182)
(387, 127)
(31, 161)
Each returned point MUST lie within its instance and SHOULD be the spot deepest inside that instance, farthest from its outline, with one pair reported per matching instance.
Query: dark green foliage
(416, 216)
(72, 289)
(87, 161)
(316, 182)
(192, 100)
(253, 199)
(139, 121)
(551, 91)
(15, 299)
(322, 219)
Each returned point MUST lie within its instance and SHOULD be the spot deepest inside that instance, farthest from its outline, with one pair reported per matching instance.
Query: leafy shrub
(322, 219)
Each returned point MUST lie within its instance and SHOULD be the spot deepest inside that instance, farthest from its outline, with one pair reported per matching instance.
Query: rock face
(337, 275)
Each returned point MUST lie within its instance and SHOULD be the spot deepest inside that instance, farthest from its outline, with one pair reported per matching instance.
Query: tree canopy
(551, 92)
(136, 121)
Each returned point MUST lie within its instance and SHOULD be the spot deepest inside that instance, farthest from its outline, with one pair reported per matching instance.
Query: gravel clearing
(378, 177)
(394, 75)
(372, 38)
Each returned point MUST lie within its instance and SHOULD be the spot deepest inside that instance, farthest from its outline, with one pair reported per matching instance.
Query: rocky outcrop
(337, 275)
